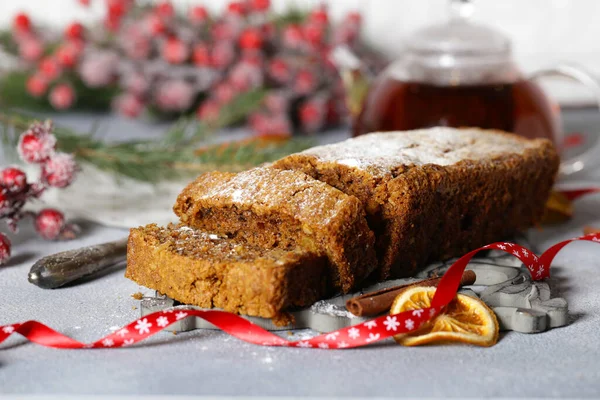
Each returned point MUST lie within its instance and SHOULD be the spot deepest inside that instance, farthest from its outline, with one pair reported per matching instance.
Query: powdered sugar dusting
(382, 152)
(290, 191)
(327, 307)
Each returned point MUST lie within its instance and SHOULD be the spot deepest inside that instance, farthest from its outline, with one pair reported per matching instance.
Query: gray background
(561, 362)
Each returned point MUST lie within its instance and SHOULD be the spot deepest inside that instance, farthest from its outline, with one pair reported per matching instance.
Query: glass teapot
(457, 73)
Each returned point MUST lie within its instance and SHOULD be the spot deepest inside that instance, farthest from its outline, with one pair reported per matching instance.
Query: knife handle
(59, 269)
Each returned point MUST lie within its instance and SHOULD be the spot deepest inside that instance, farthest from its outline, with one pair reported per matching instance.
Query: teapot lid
(458, 51)
(459, 36)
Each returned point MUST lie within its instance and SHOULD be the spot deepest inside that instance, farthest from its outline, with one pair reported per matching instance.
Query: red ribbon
(354, 336)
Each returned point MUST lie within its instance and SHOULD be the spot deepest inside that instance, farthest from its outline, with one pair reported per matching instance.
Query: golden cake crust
(437, 193)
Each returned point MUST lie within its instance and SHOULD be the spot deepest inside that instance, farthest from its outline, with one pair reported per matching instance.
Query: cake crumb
(138, 295)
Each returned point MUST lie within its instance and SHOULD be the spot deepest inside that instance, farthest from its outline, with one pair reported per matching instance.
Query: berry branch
(37, 145)
(154, 60)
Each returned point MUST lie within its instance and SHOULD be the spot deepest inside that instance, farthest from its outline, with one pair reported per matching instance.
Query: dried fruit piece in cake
(436, 193)
(206, 270)
(284, 209)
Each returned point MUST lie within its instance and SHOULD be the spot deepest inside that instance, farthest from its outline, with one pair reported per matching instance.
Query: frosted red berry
(279, 70)
(175, 51)
(22, 23)
(49, 223)
(319, 16)
(251, 39)
(208, 111)
(5, 203)
(305, 82)
(259, 5)
(5, 249)
(198, 14)
(31, 49)
(224, 93)
(222, 54)
(13, 180)
(67, 54)
(36, 148)
(74, 31)
(165, 9)
(129, 105)
(201, 55)
(236, 8)
(50, 68)
(37, 85)
(59, 170)
(293, 36)
(62, 96)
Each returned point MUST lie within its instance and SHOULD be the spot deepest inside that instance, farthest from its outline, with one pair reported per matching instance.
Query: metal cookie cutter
(520, 304)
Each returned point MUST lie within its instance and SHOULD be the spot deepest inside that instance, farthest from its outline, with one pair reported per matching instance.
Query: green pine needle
(182, 151)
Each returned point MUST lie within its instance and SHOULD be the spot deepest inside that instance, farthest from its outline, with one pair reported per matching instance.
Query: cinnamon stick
(375, 303)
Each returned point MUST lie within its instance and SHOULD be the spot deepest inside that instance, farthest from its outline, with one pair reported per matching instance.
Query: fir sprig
(183, 149)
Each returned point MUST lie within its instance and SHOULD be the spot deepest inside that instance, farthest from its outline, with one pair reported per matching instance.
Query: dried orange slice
(466, 319)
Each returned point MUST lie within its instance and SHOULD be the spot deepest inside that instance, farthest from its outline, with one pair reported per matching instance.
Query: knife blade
(56, 270)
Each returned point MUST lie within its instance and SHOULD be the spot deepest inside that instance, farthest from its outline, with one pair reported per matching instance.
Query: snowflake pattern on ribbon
(350, 337)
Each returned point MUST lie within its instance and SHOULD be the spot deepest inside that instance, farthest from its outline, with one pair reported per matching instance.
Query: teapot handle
(591, 157)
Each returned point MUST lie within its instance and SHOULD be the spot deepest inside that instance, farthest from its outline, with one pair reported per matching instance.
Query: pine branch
(183, 150)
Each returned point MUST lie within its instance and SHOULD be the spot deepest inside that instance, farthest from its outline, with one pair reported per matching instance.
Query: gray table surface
(562, 362)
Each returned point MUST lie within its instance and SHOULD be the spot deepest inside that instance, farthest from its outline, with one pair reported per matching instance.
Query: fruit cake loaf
(436, 193)
(206, 270)
(275, 208)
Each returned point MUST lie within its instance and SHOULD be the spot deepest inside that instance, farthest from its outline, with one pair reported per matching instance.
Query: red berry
(175, 51)
(174, 95)
(49, 223)
(208, 111)
(62, 96)
(314, 33)
(293, 36)
(276, 102)
(312, 114)
(156, 25)
(224, 93)
(128, 105)
(36, 148)
(225, 30)
(74, 31)
(4, 249)
(13, 179)
(59, 170)
(319, 16)
(260, 5)
(37, 85)
(354, 17)
(136, 83)
(67, 54)
(22, 23)
(305, 82)
(5, 203)
(116, 8)
(165, 9)
(279, 70)
(84, 3)
(222, 54)
(31, 49)
(198, 14)
(245, 75)
(236, 8)
(50, 68)
(251, 39)
(201, 55)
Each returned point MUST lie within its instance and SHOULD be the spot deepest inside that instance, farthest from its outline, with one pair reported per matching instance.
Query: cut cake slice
(436, 193)
(274, 208)
(206, 270)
